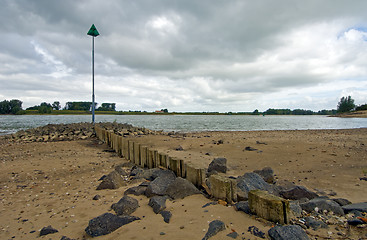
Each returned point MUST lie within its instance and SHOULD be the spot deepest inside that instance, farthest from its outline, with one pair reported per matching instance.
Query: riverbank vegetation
(345, 105)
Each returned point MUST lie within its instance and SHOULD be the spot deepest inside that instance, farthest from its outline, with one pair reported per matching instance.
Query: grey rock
(267, 174)
(252, 181)
(112, 181)
(295, 208)
(181, 188)
(136, 171)
(107, 223)
(125, 206)
(233, 235)
(159, 185)
(120, 169)
(290, 232)
(355, 222)
(362, 207)
(314, 224)
(167, 215)
(297, 193)
(242, 206)
(97, 197)
(66, 238)
(256, 232)
(218, 165)
(342, 201)
(137, 190)
(214, 227)
(158, 203)
(48, 230)
(322, 204)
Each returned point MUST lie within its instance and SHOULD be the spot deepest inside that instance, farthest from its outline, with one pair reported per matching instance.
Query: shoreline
(54, 182)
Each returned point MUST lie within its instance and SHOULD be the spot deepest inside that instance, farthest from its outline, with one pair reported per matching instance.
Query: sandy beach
(53, 183)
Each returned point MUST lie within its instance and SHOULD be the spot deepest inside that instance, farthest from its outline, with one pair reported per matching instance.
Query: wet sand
(53, 183)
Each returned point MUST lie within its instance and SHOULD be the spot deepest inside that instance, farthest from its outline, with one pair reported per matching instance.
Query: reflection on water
(189, 123)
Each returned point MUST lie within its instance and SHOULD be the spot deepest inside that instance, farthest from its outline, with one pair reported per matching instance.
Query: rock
(97, 197)
(125, 206)
(242, 206)
(166, 216)
(218, 165)
(159, 185)
(362, 207)
(252, 181)
(158, 203)
(136, 171)
(314, 224)
(181, 188)
(120, 169)
(342, 201)
(295, 208)
(267, 174)
(297, 193)
(179, 148)
(107, 223)
(233, 235)
(48, 230)
(250, 148)
(322, 204)
(355, 222)
(66, 238)
(137, 190)
(256, 231)
(112, 181)
(214, 227)
(290, 232)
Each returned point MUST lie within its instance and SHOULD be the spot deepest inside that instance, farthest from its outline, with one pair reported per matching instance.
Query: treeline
(77, 106)
(10, 107)
(272, 111)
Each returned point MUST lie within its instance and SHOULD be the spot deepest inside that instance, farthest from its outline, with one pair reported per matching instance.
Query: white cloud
(186, 56)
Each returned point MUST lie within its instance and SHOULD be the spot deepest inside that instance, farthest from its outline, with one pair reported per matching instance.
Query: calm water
(189, 123)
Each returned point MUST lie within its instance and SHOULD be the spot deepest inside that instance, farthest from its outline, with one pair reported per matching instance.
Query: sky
(185, 56)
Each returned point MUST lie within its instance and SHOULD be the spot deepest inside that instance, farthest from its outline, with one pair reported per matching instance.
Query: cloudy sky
(188, 55)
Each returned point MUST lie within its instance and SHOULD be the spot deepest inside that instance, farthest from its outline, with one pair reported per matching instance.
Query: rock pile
(308, 209)
(75, 131)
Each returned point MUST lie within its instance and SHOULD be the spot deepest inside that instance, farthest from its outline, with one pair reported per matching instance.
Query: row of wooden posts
(221, 187)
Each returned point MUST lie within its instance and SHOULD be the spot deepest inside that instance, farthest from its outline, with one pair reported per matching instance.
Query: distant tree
(346, 104)
(361, 107)
(107, 107)
(83, 106)
(164, 110)
(45, 108)
(56, 105)
(255, 112)
(10, 107)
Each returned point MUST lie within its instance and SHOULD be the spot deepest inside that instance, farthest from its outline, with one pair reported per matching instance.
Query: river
(189, 123)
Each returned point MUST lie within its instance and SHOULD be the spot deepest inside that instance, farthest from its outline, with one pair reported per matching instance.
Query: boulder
(243, 206)
(314, 224)
(252, 181)
(342, 201)
(158, 203)
(112, 181)
(137, 190)
(218, 165)
(322, 204)
(214, 227)
(181, 188)
(361, 207)
(267, 174)
(290, 232)
(298, 192)
(107, 223)
(159, 185)
(125, 206)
